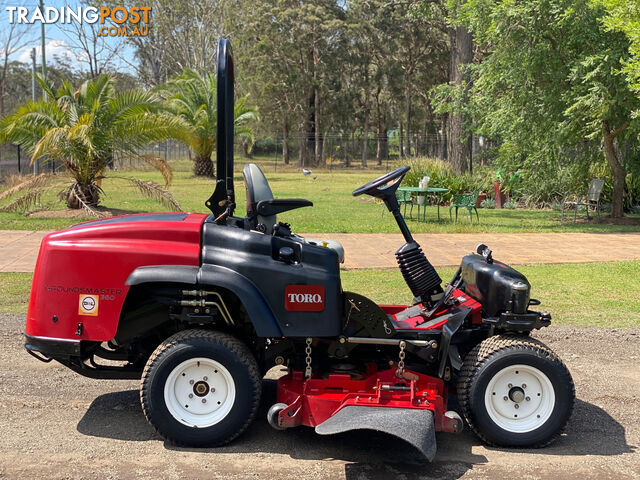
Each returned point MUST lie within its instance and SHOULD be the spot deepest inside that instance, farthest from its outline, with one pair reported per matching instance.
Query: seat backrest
(257, 189)
(595, 189)
(466, 199)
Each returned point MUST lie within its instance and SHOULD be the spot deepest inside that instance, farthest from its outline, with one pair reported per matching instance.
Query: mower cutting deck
(199, 307)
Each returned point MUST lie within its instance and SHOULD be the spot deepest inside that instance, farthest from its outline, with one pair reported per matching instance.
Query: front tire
(515, 392)
(200, 388)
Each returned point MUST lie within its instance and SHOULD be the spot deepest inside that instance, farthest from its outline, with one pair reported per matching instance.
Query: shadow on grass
(592, 431)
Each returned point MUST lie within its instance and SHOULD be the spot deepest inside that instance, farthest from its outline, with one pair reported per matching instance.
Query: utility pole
(33, 94)
(44, 62)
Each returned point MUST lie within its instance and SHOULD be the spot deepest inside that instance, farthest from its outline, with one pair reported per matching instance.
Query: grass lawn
(14, 292)
(594, 294)
(334, 210)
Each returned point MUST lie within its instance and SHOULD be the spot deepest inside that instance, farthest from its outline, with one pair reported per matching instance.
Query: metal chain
(400, 370)
(307, 350)
(387, 330)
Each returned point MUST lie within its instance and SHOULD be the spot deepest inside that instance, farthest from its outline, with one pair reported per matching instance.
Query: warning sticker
(88, 305)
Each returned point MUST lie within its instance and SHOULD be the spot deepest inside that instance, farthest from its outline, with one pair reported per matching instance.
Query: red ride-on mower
(201, 306)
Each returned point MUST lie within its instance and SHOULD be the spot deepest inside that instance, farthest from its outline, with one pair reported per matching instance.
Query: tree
(181, 35)
(13, 37)
(551, 81)
(624, 16)
(192, 98)
(83, 128)
(459, 144)
(294, 65)
(91, 50)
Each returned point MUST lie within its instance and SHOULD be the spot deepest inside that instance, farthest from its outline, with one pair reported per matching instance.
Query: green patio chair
(465, 200)
(404, 198)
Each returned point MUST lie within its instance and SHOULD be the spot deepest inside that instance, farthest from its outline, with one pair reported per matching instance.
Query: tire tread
(484, 352)
(240, 349)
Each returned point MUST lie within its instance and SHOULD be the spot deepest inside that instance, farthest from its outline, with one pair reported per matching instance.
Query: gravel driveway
(56, 424)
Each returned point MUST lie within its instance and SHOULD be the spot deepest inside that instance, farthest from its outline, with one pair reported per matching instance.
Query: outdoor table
(438, 191)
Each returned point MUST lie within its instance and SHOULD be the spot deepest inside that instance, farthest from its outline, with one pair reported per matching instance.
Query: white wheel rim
(519, 398)
(199, 392)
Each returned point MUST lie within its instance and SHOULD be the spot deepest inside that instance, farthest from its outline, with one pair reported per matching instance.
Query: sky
(57, 40)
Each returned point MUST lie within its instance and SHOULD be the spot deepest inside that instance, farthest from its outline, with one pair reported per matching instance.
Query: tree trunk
(365, 139)
(384, 144)
(301, 148)
(378, 129)
(318, 137)
(619, 173)
(202, 166)
(323, 151)
(400, 141)
(81, 194)
(407, 150)
(245, 149)
(459, 152)
(347, 159)
(285, 145)
(310, 132)
(443, 137)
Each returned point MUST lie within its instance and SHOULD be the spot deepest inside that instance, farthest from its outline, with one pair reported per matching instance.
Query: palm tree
(193, 97)
(83, 128)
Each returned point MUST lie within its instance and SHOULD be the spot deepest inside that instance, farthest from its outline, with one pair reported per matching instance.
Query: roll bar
(222, 201)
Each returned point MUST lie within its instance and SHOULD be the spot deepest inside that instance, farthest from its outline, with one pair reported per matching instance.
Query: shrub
(511, 205)
(489, 203)
(443, 176)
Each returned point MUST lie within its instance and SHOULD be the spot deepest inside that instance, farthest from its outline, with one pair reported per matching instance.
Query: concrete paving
(445, 250)
(19, 248)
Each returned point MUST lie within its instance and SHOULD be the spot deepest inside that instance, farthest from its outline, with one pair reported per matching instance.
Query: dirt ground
(56, 424)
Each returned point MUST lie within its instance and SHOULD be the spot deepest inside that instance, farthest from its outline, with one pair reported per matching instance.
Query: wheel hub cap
(516, 394)
(199, 392)
(201, 388)
(519, 398)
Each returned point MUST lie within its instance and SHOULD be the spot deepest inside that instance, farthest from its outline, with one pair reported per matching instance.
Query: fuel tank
(497, 286)
(79, 286)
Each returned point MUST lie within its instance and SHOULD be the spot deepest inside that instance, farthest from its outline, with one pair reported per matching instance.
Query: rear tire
(200, 388)
(515, 392)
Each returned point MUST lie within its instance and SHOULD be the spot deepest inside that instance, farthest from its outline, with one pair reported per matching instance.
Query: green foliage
(489, 203)
(550, 88)
(84, 128)
(442, 175)
(192, 98)
(624, 16)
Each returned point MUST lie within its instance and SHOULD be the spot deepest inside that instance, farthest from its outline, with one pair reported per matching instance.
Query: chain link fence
(14, 160)
(331, 150)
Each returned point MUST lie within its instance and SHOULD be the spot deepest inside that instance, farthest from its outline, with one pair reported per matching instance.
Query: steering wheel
(389, 183)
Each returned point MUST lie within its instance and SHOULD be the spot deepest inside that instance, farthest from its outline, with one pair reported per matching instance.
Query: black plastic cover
(255, 258)
(496, 285)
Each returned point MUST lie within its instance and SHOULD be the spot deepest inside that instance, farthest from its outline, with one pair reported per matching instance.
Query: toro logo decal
(304, 298)
(88, 305)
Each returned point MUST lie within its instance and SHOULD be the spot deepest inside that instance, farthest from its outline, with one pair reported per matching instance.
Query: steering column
(421, 277)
